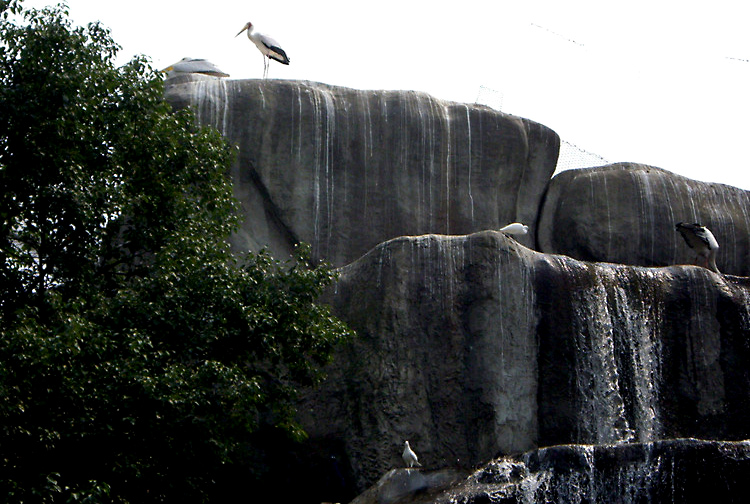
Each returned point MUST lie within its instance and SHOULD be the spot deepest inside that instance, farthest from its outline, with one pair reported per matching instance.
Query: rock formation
(344, 169)
(626, 213)
(682, 470)
(473, 344)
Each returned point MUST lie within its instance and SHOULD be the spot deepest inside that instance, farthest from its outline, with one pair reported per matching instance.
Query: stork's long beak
(243, 29)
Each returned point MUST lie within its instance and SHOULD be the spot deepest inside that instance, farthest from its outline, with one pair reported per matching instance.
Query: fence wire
(571, 155)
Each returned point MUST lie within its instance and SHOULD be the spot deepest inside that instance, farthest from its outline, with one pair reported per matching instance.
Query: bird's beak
(168, 69)
(243, 29)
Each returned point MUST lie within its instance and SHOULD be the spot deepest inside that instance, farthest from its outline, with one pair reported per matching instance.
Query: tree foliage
(138, 354)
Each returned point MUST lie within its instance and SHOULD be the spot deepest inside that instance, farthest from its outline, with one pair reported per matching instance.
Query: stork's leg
(265, 67)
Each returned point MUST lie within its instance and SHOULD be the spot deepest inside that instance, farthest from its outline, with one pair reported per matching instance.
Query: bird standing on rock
(700, 239)
(515, 228)
(410, 458)
(269, 48)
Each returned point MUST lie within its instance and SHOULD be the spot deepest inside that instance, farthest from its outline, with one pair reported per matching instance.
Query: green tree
(137, 354)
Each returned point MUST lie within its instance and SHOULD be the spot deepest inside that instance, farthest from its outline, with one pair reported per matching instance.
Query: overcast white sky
(658, 82)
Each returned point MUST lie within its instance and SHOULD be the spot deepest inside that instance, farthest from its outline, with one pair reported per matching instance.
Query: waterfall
(602, 411)
(610, 352)
(675, 471)
(618, 358)
(577, 474)
(474, 345)
(640, 353)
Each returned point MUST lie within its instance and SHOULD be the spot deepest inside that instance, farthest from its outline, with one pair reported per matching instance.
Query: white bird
(193, 65)
(268, 47)
(515, 228)
(410, 458)
(700, 239)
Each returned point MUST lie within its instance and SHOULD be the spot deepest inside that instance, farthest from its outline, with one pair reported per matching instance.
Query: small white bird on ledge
(516, 228)
(410, 458)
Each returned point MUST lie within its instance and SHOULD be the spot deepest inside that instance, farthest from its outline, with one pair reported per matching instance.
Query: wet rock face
(470, 346)
(626, 213)
(680, 470)
(435, 361)
(344, 169)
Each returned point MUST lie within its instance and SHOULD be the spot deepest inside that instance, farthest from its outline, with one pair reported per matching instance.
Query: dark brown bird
(700, 239)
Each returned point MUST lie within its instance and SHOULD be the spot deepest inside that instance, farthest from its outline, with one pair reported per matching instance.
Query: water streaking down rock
(680, 470)
(344, 169)
(625, 213)
(474, 345)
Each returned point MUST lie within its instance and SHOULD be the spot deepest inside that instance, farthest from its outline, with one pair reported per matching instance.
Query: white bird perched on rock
(700, 239)
(266, 45)
(193, 65)
(516, 228)
(410, 458)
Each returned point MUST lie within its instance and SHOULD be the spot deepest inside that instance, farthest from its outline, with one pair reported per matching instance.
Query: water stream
(383, 165)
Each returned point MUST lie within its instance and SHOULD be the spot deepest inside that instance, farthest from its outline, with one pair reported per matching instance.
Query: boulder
(679, 470)
(474, 346)
(471, 344)
(414, 486)
(626, 213)
(345, 169)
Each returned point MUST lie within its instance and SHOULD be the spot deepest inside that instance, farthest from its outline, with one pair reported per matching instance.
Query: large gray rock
(473, 346)
(681, 470)
(403, 485)
(470, 346)
(344, 169)
(626, 213)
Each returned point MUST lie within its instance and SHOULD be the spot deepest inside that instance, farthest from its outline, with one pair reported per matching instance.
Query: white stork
(410, 458)
(700, 239)
(193, 65)
(268, 47)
